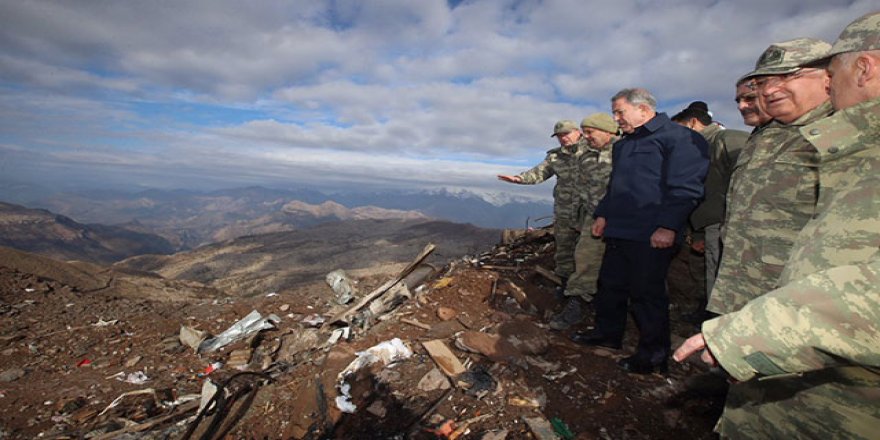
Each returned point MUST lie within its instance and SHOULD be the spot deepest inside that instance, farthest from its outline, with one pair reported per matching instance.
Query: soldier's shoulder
(553, 151)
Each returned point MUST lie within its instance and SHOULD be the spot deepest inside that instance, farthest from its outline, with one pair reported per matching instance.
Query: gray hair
(636, 96)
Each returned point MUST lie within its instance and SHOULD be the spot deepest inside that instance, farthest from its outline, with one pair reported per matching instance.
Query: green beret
(602, 121)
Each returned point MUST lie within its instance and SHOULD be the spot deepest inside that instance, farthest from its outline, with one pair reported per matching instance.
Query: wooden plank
(383, 288)
(549, 275)
(445, 359)
(415, 323)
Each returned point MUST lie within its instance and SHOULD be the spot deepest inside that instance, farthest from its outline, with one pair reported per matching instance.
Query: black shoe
(592, 339)
(641, 365)
(571, 314)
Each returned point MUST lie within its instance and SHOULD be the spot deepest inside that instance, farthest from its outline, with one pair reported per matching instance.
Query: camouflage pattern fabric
(565, 164)
(773, 193)
(595, 172)
(815, 341)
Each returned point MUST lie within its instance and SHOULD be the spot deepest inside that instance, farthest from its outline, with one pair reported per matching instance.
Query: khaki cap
(860, 35)
(789, 56)
(564, 127)
(602, 121)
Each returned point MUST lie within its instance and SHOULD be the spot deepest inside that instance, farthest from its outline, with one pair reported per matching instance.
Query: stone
(434, 380)
(12, 375)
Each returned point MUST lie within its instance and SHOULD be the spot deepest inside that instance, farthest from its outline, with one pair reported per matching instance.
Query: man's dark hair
(698, 110)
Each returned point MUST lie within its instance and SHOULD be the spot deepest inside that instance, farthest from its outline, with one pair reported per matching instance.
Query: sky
(372, 95)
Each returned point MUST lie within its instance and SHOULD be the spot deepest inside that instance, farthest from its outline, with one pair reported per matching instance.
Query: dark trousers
(634, 272)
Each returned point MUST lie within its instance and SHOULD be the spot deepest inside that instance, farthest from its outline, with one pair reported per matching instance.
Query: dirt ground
(97, 365)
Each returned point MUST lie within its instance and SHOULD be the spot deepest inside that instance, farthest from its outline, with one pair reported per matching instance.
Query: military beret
(564, 127)
(602, 121)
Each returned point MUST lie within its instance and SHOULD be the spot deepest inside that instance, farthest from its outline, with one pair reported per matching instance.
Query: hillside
(278, 261)
(100, 359)
(57, 236)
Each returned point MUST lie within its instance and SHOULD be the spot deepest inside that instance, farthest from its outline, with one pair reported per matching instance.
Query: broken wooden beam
(549, 275)
(415, 323)
(445, 359)
(383, 288)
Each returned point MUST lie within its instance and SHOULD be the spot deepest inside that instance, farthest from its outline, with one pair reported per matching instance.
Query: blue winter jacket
(656, 180)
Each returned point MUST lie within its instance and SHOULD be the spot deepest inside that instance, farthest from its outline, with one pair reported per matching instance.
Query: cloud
(386, 92)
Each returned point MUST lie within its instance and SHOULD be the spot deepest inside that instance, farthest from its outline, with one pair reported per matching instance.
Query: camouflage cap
(860, 35)
(602, 121)
(789, 56)
(563, 127)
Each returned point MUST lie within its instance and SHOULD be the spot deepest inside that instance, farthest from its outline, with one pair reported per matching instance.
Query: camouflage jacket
(594, 174)
(772, 196)
(565, 164)
(724, 148)
(823, 324)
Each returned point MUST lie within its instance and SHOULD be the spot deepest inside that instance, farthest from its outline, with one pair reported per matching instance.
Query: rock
(494, 347)
(377, 409)
(133, 361)
(446, 313)
(444, 329)
(434, 380)
(295, 343)
(525, 336)
(12, 375)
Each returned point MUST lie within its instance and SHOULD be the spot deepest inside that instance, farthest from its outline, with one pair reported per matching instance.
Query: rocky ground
(81, 362)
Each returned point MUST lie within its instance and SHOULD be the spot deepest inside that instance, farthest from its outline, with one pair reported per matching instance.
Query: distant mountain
(265, 263)
(189, 219)
(42, 232)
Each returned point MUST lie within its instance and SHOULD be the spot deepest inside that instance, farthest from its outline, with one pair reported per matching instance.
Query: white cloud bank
(339, 93)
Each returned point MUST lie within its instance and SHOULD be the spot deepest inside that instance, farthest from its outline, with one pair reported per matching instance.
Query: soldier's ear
(867, 69)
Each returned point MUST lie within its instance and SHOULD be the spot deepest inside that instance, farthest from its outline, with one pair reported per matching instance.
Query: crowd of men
(787, 218)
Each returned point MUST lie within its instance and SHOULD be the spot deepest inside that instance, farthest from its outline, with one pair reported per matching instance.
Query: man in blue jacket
(656, 181)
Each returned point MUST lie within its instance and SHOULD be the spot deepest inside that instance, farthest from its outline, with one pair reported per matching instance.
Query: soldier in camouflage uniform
(814, 339)
(564, 163)
(772, 193)
(600, 131)
(747, 103)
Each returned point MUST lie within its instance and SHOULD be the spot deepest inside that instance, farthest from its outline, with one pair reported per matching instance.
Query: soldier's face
(628, 116)
(568, 138)
(844, 71)
(788, 97)
(595, 137)
(747, 103)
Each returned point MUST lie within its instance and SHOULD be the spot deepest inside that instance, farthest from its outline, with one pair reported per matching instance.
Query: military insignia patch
(771, 56)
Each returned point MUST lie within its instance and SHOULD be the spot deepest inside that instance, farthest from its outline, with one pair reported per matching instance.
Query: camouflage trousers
(587, 260)
(713, 255)
(828, 404)
(566, 240)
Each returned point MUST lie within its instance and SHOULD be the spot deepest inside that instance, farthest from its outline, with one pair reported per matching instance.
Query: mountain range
(188, 219)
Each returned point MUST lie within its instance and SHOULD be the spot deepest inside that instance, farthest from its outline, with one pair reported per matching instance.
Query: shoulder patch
(763, 365)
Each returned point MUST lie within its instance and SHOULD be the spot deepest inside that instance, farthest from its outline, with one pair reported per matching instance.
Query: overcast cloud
(379, 93)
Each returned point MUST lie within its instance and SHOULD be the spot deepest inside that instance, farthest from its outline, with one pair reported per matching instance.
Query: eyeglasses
(777, 80)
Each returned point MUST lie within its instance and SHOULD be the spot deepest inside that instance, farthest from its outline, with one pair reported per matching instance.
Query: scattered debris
(250, 324)
(448, 363)
(385, 352)
(342, 285)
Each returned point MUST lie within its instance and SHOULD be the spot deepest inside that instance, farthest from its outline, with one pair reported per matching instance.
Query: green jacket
(724, 148)
(565, 164)
(772, 195)
(595, 170)
(816, 339)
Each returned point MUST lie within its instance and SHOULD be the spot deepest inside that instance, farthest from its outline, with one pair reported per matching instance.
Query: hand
(699, 246)
(692, 345)
(598, 227)
(662, 238)
(511, 179)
